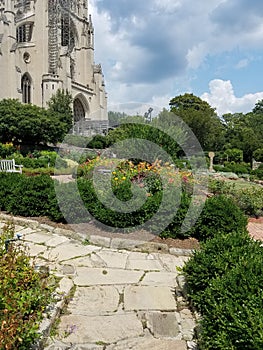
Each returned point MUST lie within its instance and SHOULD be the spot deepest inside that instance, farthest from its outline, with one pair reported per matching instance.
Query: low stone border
(107, 242)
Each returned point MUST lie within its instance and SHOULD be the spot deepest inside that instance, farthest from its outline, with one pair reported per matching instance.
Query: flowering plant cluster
(141, 173)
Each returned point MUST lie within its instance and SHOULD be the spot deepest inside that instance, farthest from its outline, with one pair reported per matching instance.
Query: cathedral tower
(46, 45)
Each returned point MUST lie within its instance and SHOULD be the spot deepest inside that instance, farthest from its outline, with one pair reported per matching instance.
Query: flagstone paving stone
(149, 298)
(95, 300)
(118, 298)
(98, 276)
(159, 279)
(106, 329)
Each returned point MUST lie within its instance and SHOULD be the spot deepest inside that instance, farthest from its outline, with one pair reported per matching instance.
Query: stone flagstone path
(119, 299)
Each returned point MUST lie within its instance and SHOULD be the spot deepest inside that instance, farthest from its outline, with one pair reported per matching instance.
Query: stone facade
(46, 45)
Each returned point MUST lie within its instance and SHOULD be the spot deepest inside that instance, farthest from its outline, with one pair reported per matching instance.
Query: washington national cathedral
(46, 45)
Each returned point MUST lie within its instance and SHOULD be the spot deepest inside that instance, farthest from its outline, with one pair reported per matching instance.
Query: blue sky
(154, 50)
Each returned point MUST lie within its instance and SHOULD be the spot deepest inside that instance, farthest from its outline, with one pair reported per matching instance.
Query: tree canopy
(29, 124)
(201, 118)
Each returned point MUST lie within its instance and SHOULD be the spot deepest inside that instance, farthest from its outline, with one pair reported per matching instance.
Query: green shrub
(216, 256)
(219, 215)
(8, 183)
(258, 155)
(98, 142)
(24, 294)
(233, 317)
(257, 173)
(225, 281)
(217, 186)
(29, 196)
(249, 200)
(77, 140)
(232, 167)
(6, 150)
(70, 204)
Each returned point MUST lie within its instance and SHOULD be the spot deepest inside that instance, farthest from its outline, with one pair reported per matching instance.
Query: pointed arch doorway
(79, 110)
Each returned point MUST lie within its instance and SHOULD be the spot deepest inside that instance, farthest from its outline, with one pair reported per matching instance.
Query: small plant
(24, 295)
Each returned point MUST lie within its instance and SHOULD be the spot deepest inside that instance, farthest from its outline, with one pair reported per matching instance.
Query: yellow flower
(123, 178)
(114, 172)
(116, 179)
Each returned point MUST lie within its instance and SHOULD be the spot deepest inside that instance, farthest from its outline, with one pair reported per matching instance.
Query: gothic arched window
(67, 32)
(26, 88)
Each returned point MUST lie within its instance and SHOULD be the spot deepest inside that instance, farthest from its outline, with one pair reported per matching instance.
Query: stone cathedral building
(46, 45)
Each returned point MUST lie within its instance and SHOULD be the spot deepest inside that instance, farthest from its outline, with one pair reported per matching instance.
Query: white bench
(9, 166)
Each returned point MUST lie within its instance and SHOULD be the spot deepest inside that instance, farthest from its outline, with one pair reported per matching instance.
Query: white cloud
(222, 97)
(151, 49)
(242, 63)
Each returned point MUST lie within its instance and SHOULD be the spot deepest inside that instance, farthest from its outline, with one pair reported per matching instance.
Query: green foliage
(216, 186)
(98, 141)
(258, 155)
(245, 132)
(24, 295)
(70, 203)
(234, 155)
(77, 140)
(219, 215)
(249, 200)
(60, 106)
(201, 118)
(257, 173)
(232, 167)
(29, 196)
(167, 140)
(225, 279)
(115, 117)
(6, 150)
(29, 124)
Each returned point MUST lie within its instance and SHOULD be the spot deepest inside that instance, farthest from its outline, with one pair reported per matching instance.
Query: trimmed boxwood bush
(117, 219)
(225, 279)
(29, 196)
(220, 215)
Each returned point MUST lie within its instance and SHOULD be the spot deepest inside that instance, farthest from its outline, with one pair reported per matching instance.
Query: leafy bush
(258, 155)
(216, 256)
(70, 203)
(6, 150)
(257, 173)
(29, 196)
(24, 294)
(237, 168)
(220, 215)
(216, 186)
(98, 142)
(43, 159)
(249, 200)
(225, 279)
(77, 140)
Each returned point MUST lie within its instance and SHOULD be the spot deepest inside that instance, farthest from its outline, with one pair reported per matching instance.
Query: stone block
(91, 329)
(100, 241)
(95, 276)
(96, 300)
(148, 298)
(163, 324)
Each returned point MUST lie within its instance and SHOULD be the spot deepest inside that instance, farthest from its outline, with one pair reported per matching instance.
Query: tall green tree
(29, 124)
(201, 118)
(60, 105)
(245, 132)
